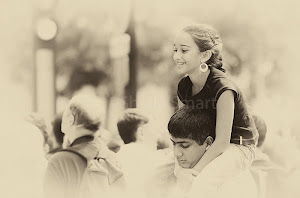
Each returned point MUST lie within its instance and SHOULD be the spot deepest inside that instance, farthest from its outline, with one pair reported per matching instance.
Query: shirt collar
(82, 139)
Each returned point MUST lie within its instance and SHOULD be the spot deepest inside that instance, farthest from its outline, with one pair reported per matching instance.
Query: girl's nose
(176, 56)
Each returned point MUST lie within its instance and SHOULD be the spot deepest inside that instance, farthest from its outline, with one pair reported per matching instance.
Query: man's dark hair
(261, 127)
(128, 124)
(192, 123)
(56, 124)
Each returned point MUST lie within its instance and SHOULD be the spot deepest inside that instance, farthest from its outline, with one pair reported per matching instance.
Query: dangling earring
(203, 67)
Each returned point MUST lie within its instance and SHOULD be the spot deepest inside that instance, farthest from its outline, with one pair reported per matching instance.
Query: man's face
(187, 151)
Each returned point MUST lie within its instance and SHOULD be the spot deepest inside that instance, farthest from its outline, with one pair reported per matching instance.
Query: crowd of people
(216, 139)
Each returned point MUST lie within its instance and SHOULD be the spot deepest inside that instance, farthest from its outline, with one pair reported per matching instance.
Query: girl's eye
(175, 50)
(184, 51)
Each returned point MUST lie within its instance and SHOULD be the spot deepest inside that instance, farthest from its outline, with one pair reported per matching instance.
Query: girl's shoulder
(220, 82)
(219, 76)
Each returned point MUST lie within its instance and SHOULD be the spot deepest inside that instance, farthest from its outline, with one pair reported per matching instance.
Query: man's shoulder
(64, 172)
(65, 156)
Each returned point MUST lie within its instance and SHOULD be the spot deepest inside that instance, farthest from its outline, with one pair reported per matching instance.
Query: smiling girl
(197, 54)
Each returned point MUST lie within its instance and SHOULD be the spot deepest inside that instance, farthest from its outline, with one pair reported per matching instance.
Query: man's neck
(77, 133)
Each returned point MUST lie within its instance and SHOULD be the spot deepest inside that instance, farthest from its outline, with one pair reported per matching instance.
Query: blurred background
(122, 51)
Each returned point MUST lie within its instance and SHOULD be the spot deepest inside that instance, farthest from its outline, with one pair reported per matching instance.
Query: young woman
(197, 54)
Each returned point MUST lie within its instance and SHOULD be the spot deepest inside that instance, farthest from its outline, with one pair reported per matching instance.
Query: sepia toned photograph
(149, 99)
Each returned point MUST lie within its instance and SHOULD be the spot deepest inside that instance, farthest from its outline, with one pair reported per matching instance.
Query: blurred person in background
(112, 140)
(22, 160)
(44, 128)
(197, 54)
(272, 179)
(261, 163)
(260, 155)
(53, 136)
(139, 153)
(262, 129)
(66, 168)
(129, 123)
(56, 136)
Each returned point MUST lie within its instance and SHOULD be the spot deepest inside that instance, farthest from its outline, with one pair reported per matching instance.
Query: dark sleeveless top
(243, 128)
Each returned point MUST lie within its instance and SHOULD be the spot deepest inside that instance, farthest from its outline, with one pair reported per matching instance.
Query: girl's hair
(207, 38)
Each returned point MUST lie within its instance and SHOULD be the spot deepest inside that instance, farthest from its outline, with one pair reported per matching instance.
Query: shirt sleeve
(223, 86)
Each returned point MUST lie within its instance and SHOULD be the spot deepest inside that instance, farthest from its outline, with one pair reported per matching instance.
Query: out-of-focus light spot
(46, 29)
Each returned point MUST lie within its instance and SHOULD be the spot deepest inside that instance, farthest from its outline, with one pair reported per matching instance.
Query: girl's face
(187, 55)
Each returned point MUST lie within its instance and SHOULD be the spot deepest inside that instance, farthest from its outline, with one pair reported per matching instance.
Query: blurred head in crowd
(261, 127)
(131, 125)
(196, 44)
(192, 132)
(44, 127)
(56, 136)
(81, 117)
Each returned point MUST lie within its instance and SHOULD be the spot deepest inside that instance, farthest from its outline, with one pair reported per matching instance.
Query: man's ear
(70, 120)
(208, 141)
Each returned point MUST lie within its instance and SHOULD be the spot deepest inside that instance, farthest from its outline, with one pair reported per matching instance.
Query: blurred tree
(80, 77)
(155, 54)
(82, 57)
